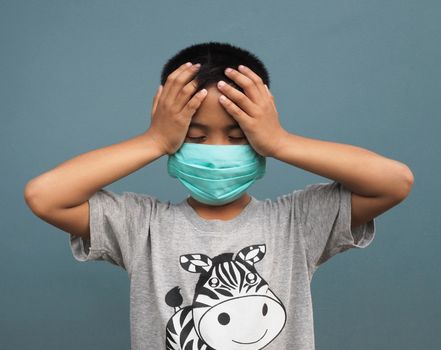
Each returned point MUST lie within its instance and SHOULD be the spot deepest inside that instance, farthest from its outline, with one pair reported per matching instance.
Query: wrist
(280, 143)
(154, 143)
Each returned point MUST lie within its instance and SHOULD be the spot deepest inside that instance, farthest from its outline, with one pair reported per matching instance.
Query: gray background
(80, 75)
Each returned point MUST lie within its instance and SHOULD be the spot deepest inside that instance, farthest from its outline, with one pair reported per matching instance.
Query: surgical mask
(216, 174)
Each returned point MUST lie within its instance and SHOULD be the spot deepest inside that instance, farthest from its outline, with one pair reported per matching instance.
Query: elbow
(406, 182)
(409, 179)
(33, 198)
(29, 193)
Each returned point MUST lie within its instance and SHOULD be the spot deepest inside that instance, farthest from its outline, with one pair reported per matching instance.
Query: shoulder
(303, 198)
(129, 201)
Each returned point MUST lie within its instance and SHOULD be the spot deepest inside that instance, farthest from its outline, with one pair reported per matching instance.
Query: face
(211, 124)
(247, 315)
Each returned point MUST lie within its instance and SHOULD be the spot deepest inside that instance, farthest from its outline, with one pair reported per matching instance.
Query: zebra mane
(222, 257)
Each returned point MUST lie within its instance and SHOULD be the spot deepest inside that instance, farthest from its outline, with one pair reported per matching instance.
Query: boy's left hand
(255, 111)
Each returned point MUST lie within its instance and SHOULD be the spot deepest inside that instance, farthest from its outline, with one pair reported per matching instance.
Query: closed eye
(202, 137)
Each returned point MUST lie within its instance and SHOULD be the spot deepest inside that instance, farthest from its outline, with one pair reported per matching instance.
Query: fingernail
(197, 65)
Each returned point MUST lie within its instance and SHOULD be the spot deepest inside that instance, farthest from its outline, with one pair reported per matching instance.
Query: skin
(60, 195)
(377, 183)
(211, 124)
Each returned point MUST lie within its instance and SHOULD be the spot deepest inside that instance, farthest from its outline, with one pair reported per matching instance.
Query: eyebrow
(205, 127)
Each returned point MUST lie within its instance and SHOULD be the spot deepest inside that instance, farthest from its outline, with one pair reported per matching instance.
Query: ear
(196, 263)
(251, 254)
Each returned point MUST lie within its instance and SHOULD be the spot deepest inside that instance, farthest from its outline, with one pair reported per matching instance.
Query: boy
(221, 269)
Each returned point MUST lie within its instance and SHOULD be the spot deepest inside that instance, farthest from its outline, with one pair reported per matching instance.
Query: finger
(180, 80)
(192, 105)
(267, 90)
(247, 84)
(169, 82)
(239, 98)
(186, 93)
(253, 76)
(156, 99)
(238, 114)
(270, 96)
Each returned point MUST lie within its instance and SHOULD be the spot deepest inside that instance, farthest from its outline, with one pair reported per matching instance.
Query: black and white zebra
(233, 307)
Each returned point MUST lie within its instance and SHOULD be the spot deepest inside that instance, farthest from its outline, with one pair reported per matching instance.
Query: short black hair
(215, 57)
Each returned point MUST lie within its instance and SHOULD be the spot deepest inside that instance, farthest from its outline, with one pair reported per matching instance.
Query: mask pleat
(216, 174)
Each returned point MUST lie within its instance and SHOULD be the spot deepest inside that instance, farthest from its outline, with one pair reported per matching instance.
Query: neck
(224, 212)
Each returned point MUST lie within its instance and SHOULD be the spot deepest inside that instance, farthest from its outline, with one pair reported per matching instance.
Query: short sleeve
(324, 211)
(117, 223)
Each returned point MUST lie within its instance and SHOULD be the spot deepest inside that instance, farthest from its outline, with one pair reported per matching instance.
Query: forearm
(362, 171)
(76, 180)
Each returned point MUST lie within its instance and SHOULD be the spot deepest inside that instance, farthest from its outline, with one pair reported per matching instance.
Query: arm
(377, 183)
(60, 196)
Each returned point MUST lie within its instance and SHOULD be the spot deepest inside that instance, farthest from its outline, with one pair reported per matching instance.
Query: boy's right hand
(173, 108)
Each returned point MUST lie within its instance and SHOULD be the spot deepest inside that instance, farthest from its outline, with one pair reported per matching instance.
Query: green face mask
(216, 174)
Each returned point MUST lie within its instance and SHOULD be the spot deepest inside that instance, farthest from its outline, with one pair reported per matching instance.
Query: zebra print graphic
(180, 333)
(233, 307)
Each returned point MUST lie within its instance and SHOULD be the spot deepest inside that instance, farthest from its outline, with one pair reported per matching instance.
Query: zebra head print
(233, 307)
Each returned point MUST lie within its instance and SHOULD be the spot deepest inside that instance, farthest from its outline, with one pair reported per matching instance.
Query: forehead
(211, 114)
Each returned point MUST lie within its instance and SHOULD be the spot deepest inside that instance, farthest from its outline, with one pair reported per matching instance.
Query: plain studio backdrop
(81, 75)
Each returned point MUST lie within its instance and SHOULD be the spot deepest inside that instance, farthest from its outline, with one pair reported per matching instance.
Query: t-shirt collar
(217, 225)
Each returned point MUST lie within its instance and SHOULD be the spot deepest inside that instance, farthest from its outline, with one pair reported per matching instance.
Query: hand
(173, 109)
(255, 111)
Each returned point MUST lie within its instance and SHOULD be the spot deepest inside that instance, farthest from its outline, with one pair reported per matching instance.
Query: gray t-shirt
(238, 284)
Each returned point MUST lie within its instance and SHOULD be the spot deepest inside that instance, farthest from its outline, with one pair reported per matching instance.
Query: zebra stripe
(181, 334)
(222, 278)
(229, 274)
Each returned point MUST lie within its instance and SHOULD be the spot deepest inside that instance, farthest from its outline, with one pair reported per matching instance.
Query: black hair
(214, 58)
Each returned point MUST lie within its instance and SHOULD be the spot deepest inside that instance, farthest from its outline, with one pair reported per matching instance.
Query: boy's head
(215, 174)
(211, 124)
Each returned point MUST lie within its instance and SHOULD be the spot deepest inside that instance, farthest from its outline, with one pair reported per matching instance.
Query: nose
(218, 141)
